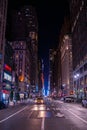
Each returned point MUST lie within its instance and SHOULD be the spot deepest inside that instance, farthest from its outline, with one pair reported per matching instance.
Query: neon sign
(7, 67)
(7, 77)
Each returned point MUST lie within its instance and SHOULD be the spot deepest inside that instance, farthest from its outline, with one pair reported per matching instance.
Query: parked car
(84, 102)
(2, 105)
(69, 99)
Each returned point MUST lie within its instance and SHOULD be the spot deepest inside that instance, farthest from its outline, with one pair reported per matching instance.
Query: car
(39, 100)
(69, 99)
(2, 105)
(84, 102)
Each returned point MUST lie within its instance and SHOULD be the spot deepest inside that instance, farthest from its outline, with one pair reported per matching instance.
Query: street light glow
(76, 76)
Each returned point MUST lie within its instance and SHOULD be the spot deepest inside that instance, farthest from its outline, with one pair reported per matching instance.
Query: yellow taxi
(39, 100)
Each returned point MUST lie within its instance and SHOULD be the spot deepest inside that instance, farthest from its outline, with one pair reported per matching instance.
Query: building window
(75, 84)
(81, 81)
(85, 67)
(85, 79)
(81, 70)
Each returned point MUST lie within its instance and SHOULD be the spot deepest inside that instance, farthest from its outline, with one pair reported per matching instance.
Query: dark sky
(50, 18)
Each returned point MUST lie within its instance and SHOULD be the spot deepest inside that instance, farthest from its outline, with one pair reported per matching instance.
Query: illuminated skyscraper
(25, 30)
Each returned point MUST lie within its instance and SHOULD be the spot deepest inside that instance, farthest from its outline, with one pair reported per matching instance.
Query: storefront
(5, 96)
(6, 86)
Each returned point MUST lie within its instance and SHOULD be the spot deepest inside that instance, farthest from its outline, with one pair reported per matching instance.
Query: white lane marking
(30, 114)
(60, 101)
(12, 115)
(77, 116)
(60, 115)
(43, 122)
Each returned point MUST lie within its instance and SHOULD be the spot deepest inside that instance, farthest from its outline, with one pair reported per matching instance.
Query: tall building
(25, 32)
(66, 58)
(3, 15)
(52, 81)
(41, 77)
(59, 71)
(22, 64)
(66, 65)
(8, 80)
(24, 23)
(78, 13)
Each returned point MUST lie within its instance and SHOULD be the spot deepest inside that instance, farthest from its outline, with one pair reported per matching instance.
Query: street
(55, 115)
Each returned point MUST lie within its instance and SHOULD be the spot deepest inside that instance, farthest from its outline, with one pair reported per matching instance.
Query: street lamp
(76, 77)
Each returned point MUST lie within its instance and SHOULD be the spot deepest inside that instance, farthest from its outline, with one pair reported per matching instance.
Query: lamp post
(76, 77)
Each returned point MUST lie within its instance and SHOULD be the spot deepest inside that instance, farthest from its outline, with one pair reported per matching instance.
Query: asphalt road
(54, 115)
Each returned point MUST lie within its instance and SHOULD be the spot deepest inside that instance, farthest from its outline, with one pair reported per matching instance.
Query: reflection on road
(42, 111)
(38, 107)
(44, 114)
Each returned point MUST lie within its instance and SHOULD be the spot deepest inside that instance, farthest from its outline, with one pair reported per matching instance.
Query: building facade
(26, 19)
(66, 58)
(53, 72)
(66, 65)
(78, 13)
(3, 15)
(22, 64)
(59, 72)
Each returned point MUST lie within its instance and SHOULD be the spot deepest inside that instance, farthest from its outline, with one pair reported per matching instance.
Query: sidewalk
(12, 103)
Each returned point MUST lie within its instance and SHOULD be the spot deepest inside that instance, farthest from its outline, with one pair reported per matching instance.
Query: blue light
(3, 95)
(36, 88)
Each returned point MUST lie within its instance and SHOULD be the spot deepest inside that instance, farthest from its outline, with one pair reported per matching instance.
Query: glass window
(85, 67)
(81, 81)
(85, 79)
(81, 70)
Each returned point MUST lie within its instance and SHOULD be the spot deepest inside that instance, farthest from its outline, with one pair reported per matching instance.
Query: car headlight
(42, 101)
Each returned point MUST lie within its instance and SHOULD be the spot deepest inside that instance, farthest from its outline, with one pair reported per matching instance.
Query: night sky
(50, 19)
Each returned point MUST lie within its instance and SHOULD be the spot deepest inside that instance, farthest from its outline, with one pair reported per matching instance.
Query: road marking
(60, 101)
(60, 115)
(30, 114)
(12, 115)
(43, 122)
(77, 116)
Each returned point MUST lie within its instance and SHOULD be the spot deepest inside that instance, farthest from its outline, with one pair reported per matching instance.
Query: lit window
(20, 70)
(19, 13)
(16, 56)
(27, 15)
(67, 48)
(27, 9)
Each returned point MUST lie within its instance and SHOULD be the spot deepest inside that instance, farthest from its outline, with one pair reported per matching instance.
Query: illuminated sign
(21, 78)
(7, 77)
(5, 91)
(7, 67)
